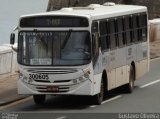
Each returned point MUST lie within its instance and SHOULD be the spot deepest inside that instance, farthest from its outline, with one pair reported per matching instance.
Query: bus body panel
(142, 59)
(97, 83)
(131, 54)
(141, 68)
(111, 79)
(81, 89)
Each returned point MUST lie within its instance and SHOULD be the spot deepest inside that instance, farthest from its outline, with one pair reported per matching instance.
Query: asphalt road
(144, 99)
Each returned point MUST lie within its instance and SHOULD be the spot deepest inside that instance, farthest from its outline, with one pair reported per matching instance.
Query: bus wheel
(39, 99)
(99, 97)
(130, 85)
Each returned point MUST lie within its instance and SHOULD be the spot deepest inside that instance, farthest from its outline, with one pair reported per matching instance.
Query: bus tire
(98, 98)
(39, 99)
(130, 85)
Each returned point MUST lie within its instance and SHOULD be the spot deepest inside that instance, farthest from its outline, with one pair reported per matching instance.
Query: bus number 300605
(38, 76)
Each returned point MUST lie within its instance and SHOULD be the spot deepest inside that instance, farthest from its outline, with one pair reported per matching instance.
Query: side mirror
(12, 38)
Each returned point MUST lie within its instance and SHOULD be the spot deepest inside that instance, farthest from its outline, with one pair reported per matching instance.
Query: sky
(11, 10)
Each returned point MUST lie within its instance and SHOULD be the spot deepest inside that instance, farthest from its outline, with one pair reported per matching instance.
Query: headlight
(81, 79)
(75, 81)
(24, 78)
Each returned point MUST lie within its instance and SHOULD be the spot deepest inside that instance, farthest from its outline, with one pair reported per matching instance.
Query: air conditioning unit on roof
(94, 5)
(109, 4)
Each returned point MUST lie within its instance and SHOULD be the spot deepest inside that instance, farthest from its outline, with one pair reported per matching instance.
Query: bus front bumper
(83, 88)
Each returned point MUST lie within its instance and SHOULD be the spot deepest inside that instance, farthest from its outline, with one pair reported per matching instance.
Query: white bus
(82, 50)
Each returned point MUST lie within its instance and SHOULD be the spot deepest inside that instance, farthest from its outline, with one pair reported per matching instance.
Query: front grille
(42, 81)
(52, 71)
(62, 81)
(56, 81)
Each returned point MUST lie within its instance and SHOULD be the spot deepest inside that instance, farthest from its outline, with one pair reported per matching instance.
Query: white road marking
(151, 83)
(93, 106)
(111, 99)
(62, 117)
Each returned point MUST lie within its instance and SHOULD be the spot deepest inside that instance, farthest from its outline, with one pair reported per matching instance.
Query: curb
(14, 100)
(155, 58)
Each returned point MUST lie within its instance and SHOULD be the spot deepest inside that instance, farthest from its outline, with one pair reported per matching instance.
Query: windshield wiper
(66, 38)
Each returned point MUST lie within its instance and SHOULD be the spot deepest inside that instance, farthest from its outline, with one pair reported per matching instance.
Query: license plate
(39, 76)
(52, 88)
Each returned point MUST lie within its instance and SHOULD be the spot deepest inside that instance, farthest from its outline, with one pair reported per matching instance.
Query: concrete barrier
(154, 26)
(8, 61)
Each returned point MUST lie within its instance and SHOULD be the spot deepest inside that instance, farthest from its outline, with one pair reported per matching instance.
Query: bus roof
(95, 11)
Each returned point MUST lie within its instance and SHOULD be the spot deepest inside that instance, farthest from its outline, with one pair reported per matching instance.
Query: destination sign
(54, 21)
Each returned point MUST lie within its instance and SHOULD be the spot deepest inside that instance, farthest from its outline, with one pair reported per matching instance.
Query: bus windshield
(54, 48)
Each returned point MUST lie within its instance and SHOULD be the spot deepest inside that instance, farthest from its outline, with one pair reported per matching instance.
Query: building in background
(152, 5)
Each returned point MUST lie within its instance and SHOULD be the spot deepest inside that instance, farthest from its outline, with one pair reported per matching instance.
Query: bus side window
(103, 43)
(121, 41)
(142, 32)
(144, 29)
(135, 28)
(103, 27)
(142, 20)
(127, 24)
(94, 28)
(124, 32)
(104, 31)
(112, 35)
